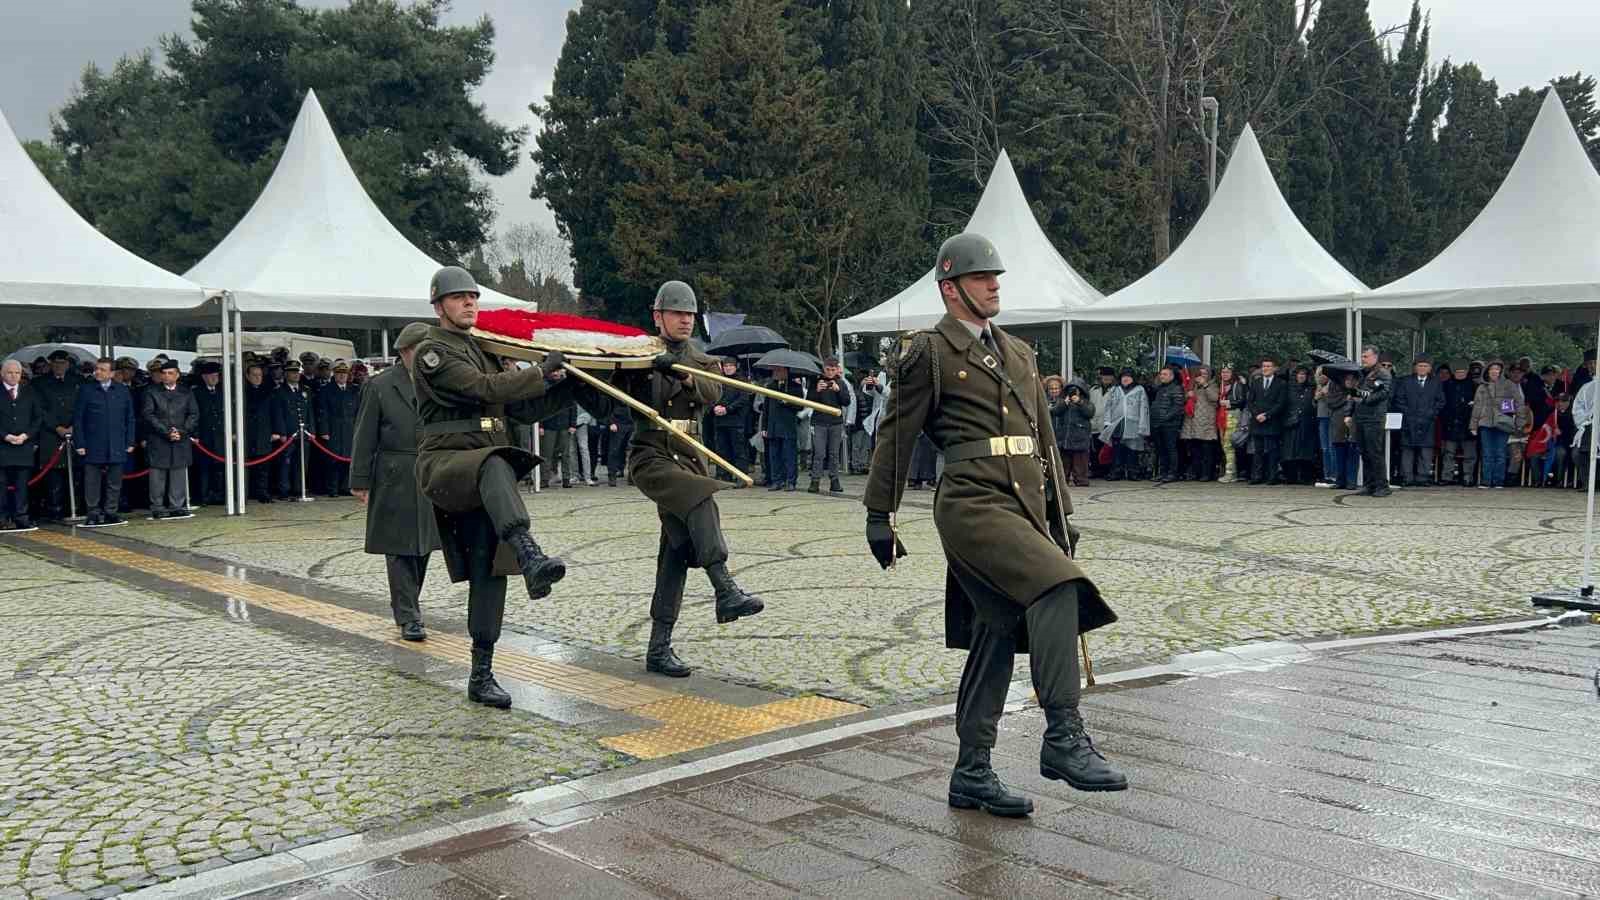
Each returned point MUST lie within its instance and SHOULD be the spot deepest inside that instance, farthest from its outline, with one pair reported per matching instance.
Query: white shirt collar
(977, 331)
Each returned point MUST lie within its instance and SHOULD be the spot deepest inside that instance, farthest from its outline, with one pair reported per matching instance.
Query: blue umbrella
(1182, 356)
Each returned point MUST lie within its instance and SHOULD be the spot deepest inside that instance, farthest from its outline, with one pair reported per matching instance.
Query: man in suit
(259, 436)
(211, 480)
(292, 410)
(1266, 403)
(337, 405)
(21, 420)
(104, 432)
(170, 417)
(1418, 399)
(400, 522)
(728, 419)
(57, 391)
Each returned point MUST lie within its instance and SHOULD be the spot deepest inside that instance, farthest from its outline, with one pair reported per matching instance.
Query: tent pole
(227, 409)
(238, 398)
(1587, 585)
(383, 332)
(1355, 353)
(1066, 350)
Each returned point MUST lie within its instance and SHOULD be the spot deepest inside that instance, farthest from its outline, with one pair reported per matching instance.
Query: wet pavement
(196, 698)
(1459, 768)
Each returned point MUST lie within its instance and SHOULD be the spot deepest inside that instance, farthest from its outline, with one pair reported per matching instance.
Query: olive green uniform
(1002, 518)
(467, 466)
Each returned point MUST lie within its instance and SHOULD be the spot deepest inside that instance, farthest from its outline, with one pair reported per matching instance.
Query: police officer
(1001, 512)
(336, 423)
(1368, 419)
(383, 476)
(293, 409)
(468, 468)
(675, 477)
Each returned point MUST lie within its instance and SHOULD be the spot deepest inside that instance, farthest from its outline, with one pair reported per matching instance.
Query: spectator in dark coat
(1455, 415)
(555, 436)
(210, 479)
(170, 416)
(259, 437)
(780, 427)
(57, 392)
(337, 405)
(1166, 423)
(1073, 434)
(1419, 399)
(1300, 444)
(104, 430)
(1267, 404)
(21, 420)
(619, 431)
(728, 419)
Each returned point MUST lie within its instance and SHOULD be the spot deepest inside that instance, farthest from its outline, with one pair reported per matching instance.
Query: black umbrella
(859, 359)
(1328, 356)
(746, 340)
(793, 360)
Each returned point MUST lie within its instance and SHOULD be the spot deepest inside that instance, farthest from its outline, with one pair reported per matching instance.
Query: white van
(262, 343)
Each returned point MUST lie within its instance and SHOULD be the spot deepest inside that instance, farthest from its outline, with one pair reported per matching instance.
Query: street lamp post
(1209, 107)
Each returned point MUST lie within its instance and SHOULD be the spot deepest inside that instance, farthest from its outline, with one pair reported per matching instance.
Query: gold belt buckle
(489, 424)
(1019, 445)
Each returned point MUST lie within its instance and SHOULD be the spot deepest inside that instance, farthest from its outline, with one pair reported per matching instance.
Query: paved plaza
(186, 695)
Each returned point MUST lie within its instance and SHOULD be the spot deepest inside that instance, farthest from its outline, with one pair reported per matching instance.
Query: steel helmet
(966, 253)
(451, 280)
(676, 296)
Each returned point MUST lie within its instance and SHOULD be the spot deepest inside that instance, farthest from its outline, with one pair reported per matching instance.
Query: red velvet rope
(48, 466)
(249, 462)
(318, 444)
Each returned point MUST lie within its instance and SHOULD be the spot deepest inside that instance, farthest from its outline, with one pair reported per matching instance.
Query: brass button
(674, 456)
(962, 374)
(1005, 409)
(1016, 485)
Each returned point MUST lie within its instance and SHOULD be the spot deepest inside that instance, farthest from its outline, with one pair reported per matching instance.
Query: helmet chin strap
(967, 301)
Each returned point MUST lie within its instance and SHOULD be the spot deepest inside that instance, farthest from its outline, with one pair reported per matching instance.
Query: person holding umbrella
(780, 422)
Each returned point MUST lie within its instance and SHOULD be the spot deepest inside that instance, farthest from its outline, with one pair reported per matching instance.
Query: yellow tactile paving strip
(687, 722)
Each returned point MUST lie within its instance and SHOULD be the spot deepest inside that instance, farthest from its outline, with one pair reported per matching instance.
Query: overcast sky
(44, 44)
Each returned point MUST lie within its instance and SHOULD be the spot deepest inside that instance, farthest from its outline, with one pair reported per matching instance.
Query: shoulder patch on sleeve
(429, 358)
(913, 348)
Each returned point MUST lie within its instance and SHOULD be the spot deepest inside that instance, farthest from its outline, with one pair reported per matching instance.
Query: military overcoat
(163, 410)
(665, 469)
(458, 381)
(400, 521)
(1001, 519)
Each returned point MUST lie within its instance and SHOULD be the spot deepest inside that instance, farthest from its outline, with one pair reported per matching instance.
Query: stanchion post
(188, 490)
(72, 490)
(304, 497)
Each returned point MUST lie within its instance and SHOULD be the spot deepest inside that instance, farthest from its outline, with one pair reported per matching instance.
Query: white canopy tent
(1039, 287)
(1248, 257)
(57, 269)
(313, 247)
(1532, 254)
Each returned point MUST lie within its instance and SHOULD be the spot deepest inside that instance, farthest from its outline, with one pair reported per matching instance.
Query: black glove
(664, 364)
(882, 540)
(553, 362)
(1073, 536)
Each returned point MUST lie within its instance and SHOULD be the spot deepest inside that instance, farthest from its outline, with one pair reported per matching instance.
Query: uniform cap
(291, 366)
(171, 364)
(411, 335)
(341, 366)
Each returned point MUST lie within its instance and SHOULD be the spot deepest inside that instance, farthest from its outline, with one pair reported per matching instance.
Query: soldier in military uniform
(383, 476)
(293, 409)
(468, 468)
(1011, 584)
(676, 478)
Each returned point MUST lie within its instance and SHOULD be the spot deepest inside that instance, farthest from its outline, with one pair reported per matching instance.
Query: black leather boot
(1069, 755)
(815, 487)
(538, 570)
(661, 659)
(974, 785)
(481, 687)
(732, 601)
(834, 486)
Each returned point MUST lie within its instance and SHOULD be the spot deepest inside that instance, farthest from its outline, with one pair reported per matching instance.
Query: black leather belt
(465, 426)
(1007, 445)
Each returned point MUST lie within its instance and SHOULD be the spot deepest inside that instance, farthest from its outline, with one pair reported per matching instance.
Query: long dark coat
(400, 520)
(291, 409)
(1002, 519)
(25, 415)
(457, 380)
(1457, 410)
(667, 471)
(1274, 402)
(258, 429)
(336, 416)
(103, 423)
(210, 428)
(162, 411)
(1301, 443)
(56, 399)
(1418, 405)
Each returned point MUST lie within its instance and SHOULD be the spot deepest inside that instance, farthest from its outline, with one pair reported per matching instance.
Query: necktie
(1266, 385)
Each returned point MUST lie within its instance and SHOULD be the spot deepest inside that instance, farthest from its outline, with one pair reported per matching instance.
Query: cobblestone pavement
(143, 738)
(1449, 769)
(1186, 566)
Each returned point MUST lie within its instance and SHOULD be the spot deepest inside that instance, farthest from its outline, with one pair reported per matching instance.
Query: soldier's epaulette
(914, 347)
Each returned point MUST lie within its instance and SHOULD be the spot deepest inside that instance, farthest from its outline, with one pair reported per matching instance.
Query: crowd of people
(1488, 424)
(151, 437)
